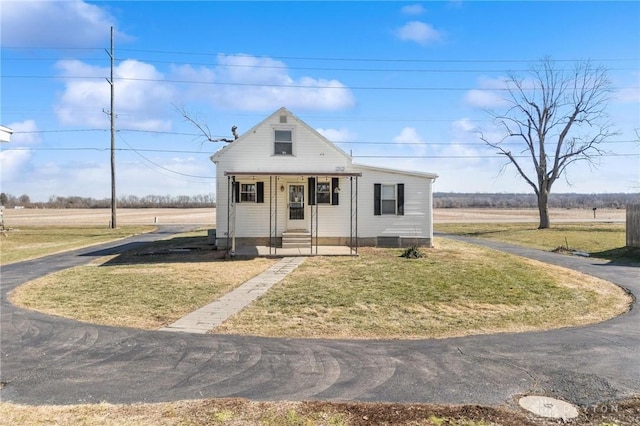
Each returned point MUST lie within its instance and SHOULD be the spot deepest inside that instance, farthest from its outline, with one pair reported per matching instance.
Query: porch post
(357, 238)
(270, 213)
(315, 191)
(233, 216)
(229, 192)
(354, 217)
(275, 226)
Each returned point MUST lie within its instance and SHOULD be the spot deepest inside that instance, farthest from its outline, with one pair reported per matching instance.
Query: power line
(138, 150)
(308, 68)
(335, 142)
(326, 58)
(393, 60)
(158, 165)
(291, 86)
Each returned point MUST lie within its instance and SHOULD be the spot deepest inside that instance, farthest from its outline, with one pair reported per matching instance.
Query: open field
(470, 215)
(207, 216)
(14, 218)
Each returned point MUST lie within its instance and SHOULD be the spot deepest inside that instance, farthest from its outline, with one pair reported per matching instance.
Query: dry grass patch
(237, 412)
(139, 289)
(586, 237)
(31, 242)
(457, 289)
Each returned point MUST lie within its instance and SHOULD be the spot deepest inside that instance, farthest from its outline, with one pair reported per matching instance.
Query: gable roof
(353, 166)
(225, 149)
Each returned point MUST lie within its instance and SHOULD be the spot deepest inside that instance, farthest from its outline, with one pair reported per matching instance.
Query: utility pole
(113, 139)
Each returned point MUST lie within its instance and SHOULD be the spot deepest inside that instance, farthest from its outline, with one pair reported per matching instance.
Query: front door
(296, 207)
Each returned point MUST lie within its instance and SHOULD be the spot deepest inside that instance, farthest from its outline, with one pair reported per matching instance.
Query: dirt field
(207, 217)
(51, 217)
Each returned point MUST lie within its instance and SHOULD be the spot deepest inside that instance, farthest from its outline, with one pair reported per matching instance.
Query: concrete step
(296, 234)
(296, 245)
(296, 239)
(301, 239)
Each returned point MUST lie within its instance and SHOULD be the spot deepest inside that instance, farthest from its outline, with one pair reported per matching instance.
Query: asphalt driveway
(50, 360)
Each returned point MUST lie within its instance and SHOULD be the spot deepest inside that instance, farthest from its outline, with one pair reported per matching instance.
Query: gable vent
(283, 119)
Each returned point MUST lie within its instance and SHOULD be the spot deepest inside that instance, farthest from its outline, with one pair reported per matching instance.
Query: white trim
(284, 128)
(432, 176)
(5, 134)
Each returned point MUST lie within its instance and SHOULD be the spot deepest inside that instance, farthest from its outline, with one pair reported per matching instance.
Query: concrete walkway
(215, 313)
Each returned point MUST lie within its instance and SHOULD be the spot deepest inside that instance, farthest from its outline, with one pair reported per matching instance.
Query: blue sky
(397, 84)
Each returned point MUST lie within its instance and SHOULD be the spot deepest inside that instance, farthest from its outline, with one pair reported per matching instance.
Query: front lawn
(456, 289)
(601, 240)
(35, 241)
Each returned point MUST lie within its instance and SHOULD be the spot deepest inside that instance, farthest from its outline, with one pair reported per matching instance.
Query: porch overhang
(273, 178)
(334, 174)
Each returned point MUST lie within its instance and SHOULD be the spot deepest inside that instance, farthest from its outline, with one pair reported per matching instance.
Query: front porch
(291, 223)
(249, 251)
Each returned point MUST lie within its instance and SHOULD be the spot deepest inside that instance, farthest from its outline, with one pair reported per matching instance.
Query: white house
(283, 184)
(5, 134)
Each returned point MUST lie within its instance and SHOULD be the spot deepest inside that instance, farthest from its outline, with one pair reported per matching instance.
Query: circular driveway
(51, 360)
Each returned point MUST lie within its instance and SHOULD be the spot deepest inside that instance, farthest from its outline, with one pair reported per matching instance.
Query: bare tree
(560, 117)
(204, 129)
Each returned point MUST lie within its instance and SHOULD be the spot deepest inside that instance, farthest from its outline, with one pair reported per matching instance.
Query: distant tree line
(443, 200)
(566, 201)
(126, 201)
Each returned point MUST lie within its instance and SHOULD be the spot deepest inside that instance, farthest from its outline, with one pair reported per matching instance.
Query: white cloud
(490, 93)
(338, 135)
(141, 96)
(25, 133)
(69, 23)
(418, 32)
(250, 83)
(144, 96)
(413, 9)
(627, 95)
(408, 135)
(464, 125)
(91, 177)
(14, 164)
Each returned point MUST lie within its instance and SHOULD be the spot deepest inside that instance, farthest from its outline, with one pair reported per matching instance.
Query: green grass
(148, 288)
(602, 240)
(31, 242)
(456, 289)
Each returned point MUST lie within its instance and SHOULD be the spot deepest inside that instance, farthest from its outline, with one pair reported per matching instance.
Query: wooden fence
(633, 225)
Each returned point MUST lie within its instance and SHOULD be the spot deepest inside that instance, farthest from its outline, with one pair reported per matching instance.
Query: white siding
(417, 219)
(253, 152)
(252, 219)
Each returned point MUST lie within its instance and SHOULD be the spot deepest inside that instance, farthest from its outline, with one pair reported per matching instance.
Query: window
(388, 199)
(247, 192)
(324, 193)
(283, 142)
